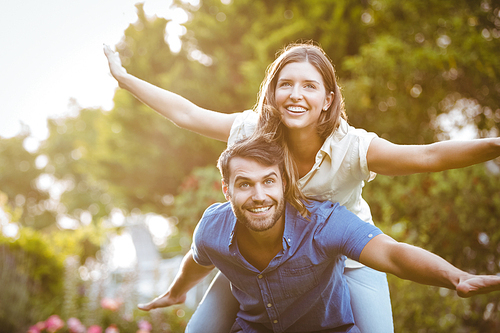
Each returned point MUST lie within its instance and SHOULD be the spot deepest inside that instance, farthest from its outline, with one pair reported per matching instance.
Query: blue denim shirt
(303, 288)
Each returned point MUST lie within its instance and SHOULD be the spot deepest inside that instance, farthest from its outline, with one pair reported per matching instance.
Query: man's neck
(259, 248)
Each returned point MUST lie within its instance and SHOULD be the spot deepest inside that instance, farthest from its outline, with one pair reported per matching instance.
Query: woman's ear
(328, 100)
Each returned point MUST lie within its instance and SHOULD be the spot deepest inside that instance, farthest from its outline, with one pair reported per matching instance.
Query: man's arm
(412, 263)
(190, 274)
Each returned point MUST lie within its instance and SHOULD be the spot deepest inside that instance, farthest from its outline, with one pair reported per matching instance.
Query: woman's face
(301, 95)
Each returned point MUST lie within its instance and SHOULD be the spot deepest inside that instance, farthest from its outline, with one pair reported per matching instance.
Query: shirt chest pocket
(298, 277)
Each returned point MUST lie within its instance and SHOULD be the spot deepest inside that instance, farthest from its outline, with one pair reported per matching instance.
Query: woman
(300, 104)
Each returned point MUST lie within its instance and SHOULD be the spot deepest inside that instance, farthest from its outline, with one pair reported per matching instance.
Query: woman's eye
(310, 86)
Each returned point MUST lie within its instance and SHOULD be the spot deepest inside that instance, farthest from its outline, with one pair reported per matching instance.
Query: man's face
(256, 193)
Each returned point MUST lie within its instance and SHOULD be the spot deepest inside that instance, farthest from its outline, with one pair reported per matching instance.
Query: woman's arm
(387, 158)
(189, 275)
(177, 109)
(412, 263)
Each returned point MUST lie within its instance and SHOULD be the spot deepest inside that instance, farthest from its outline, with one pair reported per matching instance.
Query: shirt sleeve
(243, 126)
(345, 233)
(200, 256)
(359, 163)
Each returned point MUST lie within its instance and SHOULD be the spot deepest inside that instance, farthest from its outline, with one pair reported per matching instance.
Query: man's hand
(162, 302)
(472, 285)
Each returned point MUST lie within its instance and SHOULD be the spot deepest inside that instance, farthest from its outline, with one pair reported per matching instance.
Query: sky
(51, 53)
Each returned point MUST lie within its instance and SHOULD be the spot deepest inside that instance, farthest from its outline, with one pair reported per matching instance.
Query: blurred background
(98, 203)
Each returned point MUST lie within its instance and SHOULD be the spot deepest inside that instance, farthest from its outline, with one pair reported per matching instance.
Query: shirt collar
(233, 229)
(335, 137)
(290, 217)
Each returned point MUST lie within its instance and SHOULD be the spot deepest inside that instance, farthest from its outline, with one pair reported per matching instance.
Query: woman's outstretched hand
(115, 64)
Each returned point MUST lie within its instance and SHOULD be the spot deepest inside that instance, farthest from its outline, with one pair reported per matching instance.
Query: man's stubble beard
(260, 224)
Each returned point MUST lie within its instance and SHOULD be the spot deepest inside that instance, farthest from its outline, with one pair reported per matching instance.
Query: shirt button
(370, 235)
(289, 240)
(269, 305)
(260, 276)
(275, 321)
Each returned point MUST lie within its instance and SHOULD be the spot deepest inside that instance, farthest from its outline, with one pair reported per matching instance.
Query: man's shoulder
(317, 207)
(219, 215)
(218, 209)
(323, 211)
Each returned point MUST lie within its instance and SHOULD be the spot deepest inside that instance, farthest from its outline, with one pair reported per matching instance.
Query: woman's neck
(304, 146)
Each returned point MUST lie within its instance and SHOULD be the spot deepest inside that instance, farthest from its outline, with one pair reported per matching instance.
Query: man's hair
(266, 152)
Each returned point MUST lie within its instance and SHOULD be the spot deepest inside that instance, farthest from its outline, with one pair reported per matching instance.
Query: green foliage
(31, 278)
(455, 215)
(446, 54)
(199, 190)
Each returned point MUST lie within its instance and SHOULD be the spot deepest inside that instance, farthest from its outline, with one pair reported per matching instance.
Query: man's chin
(260, 224)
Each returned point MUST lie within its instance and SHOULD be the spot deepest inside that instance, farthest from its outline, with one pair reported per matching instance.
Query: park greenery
(404, 68)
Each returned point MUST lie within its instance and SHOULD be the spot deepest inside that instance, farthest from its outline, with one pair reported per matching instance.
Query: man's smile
(259, 209)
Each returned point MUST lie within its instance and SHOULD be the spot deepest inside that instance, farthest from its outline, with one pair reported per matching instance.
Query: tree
(18, 180)
(401, 65)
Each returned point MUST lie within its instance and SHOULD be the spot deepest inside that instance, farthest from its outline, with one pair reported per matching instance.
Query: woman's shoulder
(243, 126)
(347, 134)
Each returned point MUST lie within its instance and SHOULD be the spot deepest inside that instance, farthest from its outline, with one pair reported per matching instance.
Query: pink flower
(54, 324)
(75, 326)
(144, 325)
(94, 329)
(112, 329)
(110, 304)
(37, 328)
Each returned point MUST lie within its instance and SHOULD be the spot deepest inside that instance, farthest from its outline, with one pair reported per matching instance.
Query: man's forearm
(189, 275)
(411, 263)
(416, 264)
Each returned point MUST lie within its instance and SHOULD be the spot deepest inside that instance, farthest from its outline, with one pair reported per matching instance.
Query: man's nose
(258, 193)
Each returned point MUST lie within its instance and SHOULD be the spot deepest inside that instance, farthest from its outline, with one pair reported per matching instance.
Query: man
(286, 269)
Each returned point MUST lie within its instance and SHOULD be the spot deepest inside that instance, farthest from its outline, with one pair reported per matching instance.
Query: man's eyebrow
(270, 174)
(238, 178)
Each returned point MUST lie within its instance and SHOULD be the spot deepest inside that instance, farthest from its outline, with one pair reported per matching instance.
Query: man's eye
(269, 181)
(243, 185)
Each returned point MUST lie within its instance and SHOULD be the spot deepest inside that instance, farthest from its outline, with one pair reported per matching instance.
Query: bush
(31, 276)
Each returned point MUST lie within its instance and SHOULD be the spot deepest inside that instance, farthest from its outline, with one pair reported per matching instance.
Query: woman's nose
(296, 94)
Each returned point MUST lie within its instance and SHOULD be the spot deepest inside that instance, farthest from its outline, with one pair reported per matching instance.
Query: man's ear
(225, 190)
